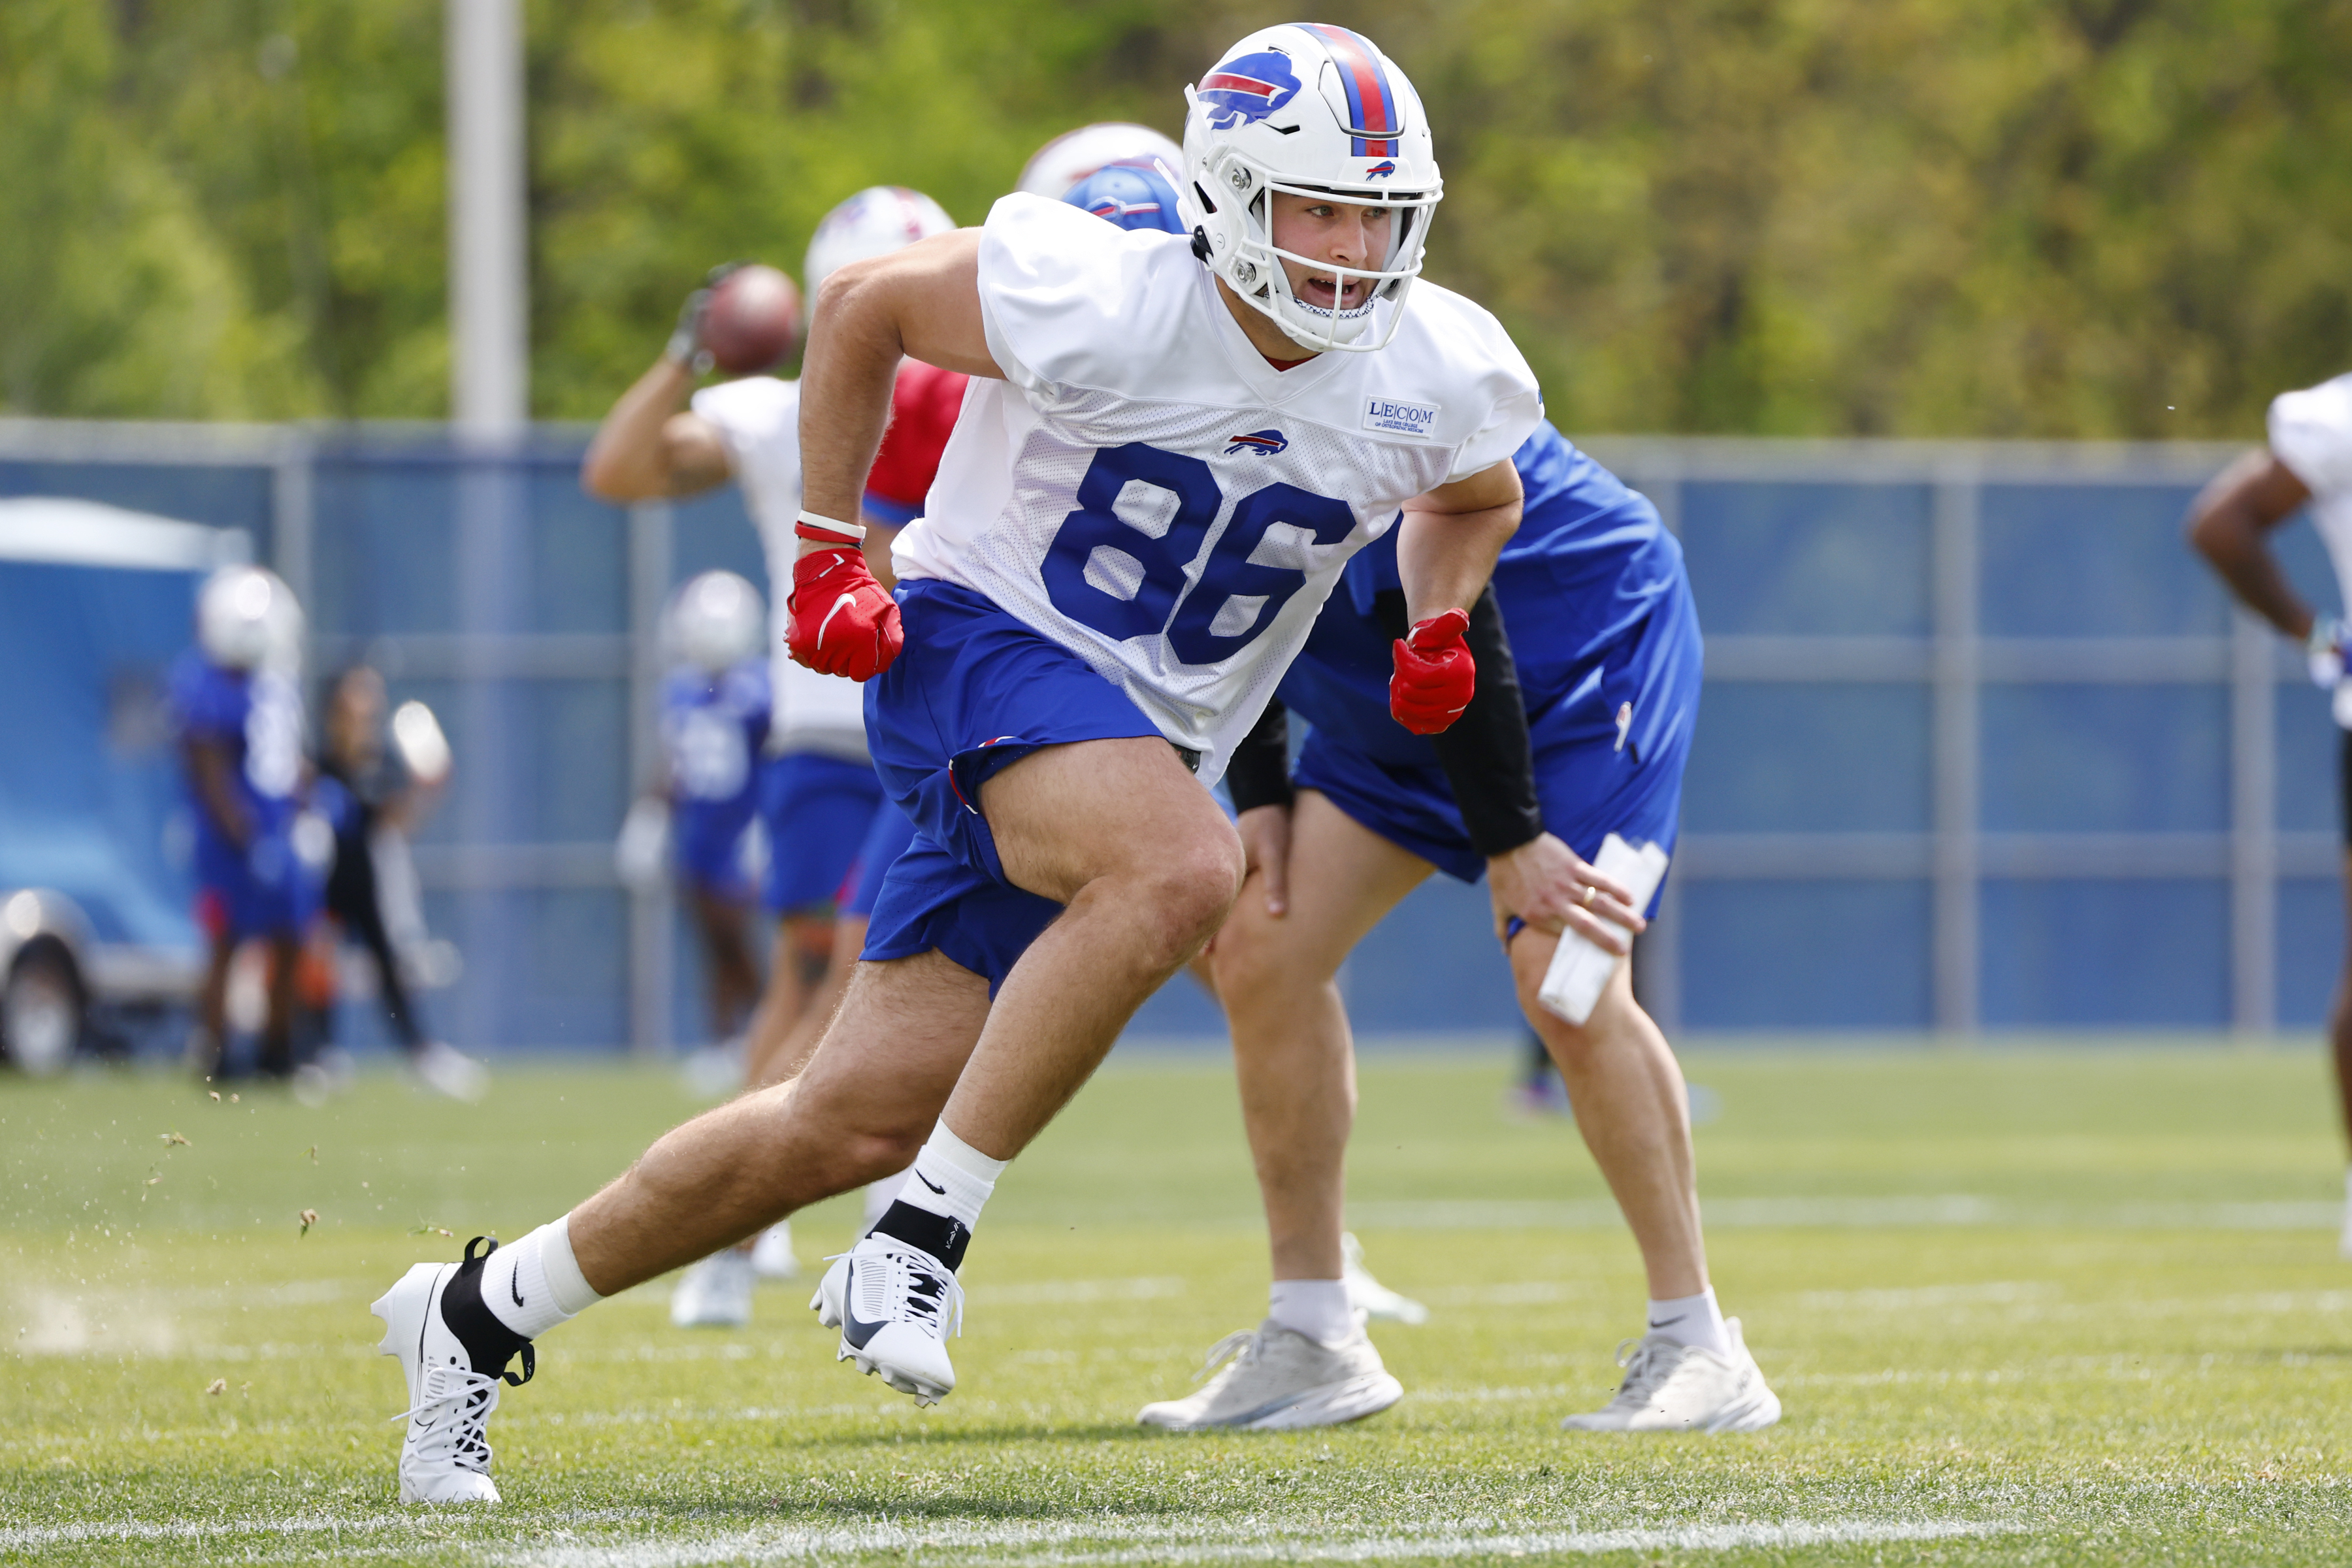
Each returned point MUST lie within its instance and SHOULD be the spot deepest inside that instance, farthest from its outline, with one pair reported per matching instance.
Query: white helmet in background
(717, 621)
(1317, 110)
(246, 619)
(876, 221)
(1070, 157)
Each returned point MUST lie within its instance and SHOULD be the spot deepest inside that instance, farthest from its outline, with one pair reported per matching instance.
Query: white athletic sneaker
(1672, 1387)
(450, 1072)
(444, 1456)
(1368, 1295)
(715, 1293)
(1275, 1378)
(896, 1305)
(772, 1255)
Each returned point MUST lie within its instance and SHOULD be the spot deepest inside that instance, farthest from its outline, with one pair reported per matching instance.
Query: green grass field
(2020, 1307)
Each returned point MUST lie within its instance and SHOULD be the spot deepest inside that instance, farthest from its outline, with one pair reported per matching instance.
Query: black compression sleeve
(1486, 752)
(1259, 773)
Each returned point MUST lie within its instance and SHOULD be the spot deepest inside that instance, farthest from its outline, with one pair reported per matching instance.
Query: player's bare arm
(648, 447)
(923, 302)
(2231, 523)
(1449, 538)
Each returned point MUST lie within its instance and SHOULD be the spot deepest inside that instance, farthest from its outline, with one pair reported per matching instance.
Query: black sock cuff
(942, 1235)
(487, 1341)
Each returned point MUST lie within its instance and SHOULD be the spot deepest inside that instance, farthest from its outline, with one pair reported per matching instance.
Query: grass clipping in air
(2019, 1307)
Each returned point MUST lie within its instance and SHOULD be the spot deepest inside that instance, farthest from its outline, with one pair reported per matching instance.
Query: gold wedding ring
(1588, 891)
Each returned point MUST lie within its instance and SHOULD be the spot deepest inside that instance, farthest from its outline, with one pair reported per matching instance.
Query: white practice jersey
(2311, 432)
(759, 418)
(1147, 491)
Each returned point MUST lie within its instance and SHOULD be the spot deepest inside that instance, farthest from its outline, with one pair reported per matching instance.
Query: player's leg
(1119, 833)
(276, 1059)
(209, 1046)
(721, 918)
(1310, 1364)
(860, 1110)
(1692, 1369)
(2339, 1021)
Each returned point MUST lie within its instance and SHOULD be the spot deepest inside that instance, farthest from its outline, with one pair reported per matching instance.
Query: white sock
(951, 1177)
(1315, 1308)
(536, 1284)
(1694, 1320)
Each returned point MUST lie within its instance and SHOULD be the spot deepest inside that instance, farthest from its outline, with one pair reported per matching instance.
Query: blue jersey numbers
(1129, 579)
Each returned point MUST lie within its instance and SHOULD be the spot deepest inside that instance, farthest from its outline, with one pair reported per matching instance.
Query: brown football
(752, 321)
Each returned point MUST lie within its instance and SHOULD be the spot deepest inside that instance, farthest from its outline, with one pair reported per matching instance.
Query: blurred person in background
(818, 796)
(2308, 461)
(375, 795)
(260, 860)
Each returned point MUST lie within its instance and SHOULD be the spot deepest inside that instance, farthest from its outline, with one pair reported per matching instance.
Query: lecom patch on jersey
(1393, 416)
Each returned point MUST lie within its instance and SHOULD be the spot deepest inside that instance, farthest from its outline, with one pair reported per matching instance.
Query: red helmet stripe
(1368, 98)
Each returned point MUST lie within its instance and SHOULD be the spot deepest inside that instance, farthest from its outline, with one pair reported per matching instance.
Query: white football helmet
(717, 621)
(246, 619)
(876, 221)
(1070, 157)
(1309, 109)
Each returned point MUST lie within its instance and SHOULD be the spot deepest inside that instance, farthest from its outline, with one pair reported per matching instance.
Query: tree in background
(2087, 218)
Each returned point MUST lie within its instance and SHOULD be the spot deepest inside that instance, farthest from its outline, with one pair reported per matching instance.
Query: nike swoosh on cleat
(929, 1183)
(856, 1330)
(844, 602)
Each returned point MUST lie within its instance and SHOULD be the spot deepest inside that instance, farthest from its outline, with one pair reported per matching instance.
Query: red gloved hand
(842, 621)
(1436, 676)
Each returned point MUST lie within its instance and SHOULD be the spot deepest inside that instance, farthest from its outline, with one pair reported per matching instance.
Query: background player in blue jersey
(1590, 740)
(237, 714)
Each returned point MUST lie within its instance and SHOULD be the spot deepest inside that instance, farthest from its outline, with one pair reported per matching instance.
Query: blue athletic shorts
(973, 690)
(887, 840)
(816, 809)
(1588, 785)
(709, 835)
(262, 891)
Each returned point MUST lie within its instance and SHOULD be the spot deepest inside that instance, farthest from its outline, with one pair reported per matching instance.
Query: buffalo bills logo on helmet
(1265, 443)
(1380, 170)
(1247, 88)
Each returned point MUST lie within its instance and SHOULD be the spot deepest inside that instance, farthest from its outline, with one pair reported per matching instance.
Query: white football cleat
(450, 1072)
(1368, 1295)
(715, 1293)
(772, 1255)
(830, 1288)
(1672, 1387)
(1275, 1378)
(444, 1457)
(898, 1304)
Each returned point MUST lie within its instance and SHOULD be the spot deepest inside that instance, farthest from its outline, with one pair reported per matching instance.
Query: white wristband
(849, 532)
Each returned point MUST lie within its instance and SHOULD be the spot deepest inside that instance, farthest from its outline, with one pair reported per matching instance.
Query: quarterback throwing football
(1170, 449)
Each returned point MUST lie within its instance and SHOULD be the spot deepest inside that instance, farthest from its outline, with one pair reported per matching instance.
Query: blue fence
(1982, 746)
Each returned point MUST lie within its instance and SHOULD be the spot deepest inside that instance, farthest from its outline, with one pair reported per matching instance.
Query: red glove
(842, 621)
(1436, 676)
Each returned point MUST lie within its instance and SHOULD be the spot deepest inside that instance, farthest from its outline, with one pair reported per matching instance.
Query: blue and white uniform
(1131, 534)
(714, 729)
(817, 793)
(1602, 629)
(265, 888)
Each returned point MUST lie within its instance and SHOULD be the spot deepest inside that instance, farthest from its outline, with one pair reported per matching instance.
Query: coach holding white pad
(1170, 448)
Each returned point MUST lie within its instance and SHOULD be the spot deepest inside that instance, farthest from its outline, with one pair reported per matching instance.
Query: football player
(1074, 155)
(260, 861)
(1593, 592)
(817, 793)
(2308, 462)
(1170, 448)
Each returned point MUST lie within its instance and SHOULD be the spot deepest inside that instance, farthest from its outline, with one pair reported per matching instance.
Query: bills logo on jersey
(1265, 443)
(1394, 417)
(1248, 87)
(1380, 170)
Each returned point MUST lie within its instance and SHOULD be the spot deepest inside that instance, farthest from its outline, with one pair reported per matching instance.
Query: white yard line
(1106, 1542)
